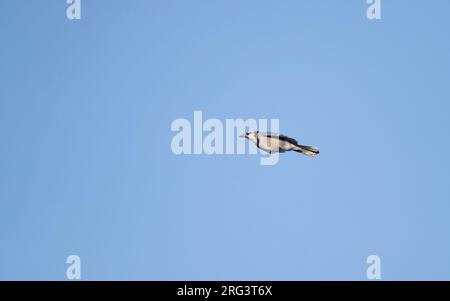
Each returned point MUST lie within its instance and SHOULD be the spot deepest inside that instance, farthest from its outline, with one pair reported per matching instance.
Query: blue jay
(273, 143)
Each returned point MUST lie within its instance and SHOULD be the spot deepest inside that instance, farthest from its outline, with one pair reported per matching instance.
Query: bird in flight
(273, 143)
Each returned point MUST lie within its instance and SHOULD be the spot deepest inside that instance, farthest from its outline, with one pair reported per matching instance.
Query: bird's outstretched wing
(282, 138)
(288, 139)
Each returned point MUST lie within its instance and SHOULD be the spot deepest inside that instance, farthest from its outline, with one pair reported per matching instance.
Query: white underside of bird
(274, 143)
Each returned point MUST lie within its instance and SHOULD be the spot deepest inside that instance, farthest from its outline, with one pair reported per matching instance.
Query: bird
(274, 143)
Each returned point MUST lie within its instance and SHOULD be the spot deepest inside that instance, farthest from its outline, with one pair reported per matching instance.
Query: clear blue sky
(86, 166)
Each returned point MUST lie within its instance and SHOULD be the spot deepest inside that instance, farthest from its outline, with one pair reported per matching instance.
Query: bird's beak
(243, 136)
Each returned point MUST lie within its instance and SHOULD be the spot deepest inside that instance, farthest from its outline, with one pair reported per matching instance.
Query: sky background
(86, 166)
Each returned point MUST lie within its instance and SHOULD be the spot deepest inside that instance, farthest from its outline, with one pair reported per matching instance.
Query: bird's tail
(307, 150)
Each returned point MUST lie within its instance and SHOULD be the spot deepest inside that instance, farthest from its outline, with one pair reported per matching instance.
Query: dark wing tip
(287, 139)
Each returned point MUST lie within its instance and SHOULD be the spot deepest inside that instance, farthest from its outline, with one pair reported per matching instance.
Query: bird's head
(249, 135)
